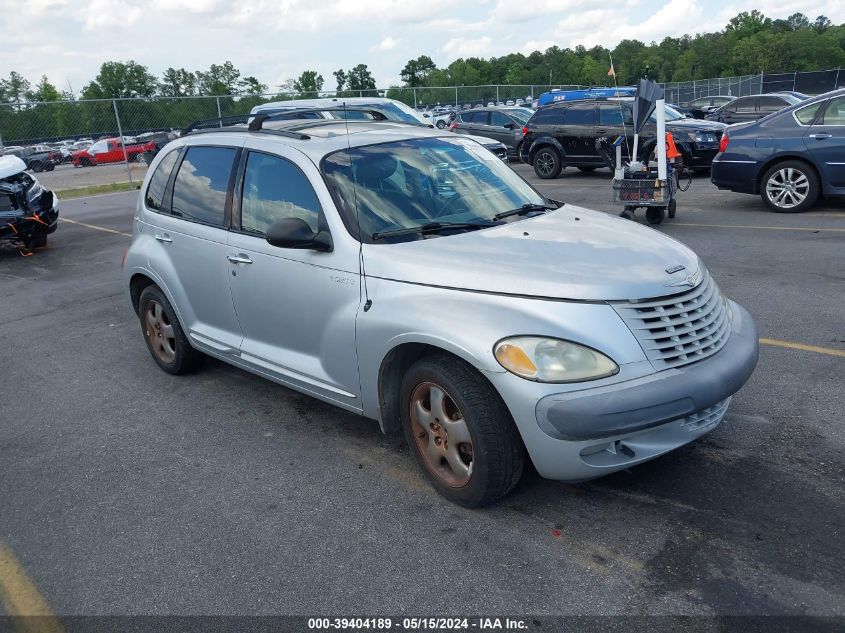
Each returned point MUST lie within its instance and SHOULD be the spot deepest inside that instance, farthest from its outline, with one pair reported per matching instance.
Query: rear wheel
(547, 163)
(36, 166)
(655, 215)
(460, 431)
(163, 334)
(441, 124)
(140, 158)
(790, 187)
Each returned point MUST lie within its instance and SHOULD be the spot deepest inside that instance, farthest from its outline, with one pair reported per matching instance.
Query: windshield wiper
(525, 208)
(432, 227)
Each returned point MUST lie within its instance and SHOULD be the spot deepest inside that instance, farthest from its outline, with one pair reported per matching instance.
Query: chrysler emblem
(689, 280)
(674, 269)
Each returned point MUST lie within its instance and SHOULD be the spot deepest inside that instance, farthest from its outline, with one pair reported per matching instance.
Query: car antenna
(367, 301)
(612, 72)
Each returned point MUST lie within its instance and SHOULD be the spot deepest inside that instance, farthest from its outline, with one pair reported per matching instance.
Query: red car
(110, 150)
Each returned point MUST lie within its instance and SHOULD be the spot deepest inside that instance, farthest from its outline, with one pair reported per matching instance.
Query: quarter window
(275, 188)
(547, 116)
(767, 105)
(199, 192)
(807, 115)
(158, 182)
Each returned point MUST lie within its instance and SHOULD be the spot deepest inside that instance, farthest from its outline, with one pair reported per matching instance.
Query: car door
(825, 141)
(768, 104)
(745, 109)
(189, 230)
(502, 129)
(296, 307)
(578, 138)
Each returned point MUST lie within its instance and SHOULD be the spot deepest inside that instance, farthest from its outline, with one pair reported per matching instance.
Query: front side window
(768, 105)
(98, 148)
(199, 192)
(154, 197)
(611, 114)
(407, 184)
(497, 119)
(835, 112)
(745, 106)
(273, 189)
(478, 118)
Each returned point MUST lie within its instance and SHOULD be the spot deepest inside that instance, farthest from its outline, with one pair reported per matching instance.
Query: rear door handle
(240, 258)
(163, 237)
(820, 136)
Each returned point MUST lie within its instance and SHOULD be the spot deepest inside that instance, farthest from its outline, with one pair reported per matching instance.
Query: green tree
(341, 78)
(360, 79)
(309, 84)
(219, 80)
(417, 70)
(121, 79)
(44, 91)
(178, 83)
(14, 89)
(251, 86)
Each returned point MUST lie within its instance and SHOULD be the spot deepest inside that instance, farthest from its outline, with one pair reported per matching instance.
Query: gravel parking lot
(129, 491)
(67, 176)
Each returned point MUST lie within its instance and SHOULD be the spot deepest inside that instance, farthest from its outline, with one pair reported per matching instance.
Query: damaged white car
(28, 211)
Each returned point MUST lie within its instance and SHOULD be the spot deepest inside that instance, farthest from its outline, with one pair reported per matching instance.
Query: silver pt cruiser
(410, 276)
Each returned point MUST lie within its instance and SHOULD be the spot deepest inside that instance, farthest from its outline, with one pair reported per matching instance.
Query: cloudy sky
(277, 39)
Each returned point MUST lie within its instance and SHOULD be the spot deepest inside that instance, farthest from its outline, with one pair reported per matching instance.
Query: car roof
(320, 137)
(324, 102)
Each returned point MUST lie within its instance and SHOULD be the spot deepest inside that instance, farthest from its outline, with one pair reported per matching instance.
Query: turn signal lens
(552, 360)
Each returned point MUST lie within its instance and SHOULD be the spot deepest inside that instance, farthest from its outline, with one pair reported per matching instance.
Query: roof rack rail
(227, 123)
(256, 124)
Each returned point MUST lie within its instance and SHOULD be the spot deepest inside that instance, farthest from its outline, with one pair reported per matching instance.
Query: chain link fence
(29, 127)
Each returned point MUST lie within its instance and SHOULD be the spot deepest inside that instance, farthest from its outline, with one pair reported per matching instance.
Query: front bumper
(589, 433)
(21, 224)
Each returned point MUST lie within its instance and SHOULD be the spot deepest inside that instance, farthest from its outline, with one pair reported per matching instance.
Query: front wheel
(790, 187)
(655, 215)
(163, 334)
(37, 166)
(460, 431)
(140, 158)
(547, 163)
(440, 124)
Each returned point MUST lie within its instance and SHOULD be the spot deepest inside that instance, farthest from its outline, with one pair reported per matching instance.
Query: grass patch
(93, 190)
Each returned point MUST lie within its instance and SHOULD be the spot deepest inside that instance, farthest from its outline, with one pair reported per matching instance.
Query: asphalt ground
(124, 490)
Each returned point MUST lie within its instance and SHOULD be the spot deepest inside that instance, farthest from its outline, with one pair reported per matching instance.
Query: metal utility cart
(643, 185)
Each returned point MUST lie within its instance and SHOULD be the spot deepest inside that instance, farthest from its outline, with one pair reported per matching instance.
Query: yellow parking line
(765, 228)
(96, 228)
(20, 597)
(801, 346)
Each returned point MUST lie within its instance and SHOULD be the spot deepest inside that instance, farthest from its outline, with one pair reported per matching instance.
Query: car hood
(571, 253)
(11, 165)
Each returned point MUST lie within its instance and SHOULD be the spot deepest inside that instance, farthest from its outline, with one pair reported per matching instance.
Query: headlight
(552, 360)
(34, 192)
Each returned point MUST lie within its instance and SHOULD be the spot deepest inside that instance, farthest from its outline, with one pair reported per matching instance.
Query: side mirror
(295, 233)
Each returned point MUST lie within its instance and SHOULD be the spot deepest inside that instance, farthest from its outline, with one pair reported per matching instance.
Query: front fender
(469, 324)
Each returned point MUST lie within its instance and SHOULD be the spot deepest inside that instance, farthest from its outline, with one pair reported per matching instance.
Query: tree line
(750, 43)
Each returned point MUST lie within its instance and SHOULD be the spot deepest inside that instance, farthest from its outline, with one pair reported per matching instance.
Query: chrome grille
(679, 329)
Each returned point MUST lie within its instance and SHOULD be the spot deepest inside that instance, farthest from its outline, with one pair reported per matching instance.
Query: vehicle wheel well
(539, 144)
(758, 182)
(393, 369)
(137, 284)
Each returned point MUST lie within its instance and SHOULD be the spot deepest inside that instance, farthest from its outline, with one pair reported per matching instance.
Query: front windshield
(410, 183)
(399, 112)
(671, 115)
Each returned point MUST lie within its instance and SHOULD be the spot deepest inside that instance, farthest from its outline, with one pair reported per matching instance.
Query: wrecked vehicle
(28, 211)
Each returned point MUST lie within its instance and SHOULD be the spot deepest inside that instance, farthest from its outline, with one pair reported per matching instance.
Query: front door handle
(240, 258)
(820, 136)
(163, 237)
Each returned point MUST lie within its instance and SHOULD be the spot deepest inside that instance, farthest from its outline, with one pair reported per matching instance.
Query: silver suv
(410, 276)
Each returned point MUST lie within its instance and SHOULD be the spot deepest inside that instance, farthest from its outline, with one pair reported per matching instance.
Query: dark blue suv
(790, 157)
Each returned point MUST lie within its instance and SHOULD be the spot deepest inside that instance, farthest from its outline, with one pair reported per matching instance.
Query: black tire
(441, 124)
(804, 183)
(37, 240)
(140, 158)
(184, 357)
(655, 215)
(673, 206)
(518, 152)
(37, 166)
(49, 167)
(496, 450)
(587, 170)
(547, 163)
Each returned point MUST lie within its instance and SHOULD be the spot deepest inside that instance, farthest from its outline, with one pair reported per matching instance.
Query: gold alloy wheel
(159, 332)
(441, 433)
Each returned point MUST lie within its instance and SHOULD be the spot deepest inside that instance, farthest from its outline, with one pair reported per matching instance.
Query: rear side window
(768, 105)
(275, 188)
(806, 115)
(611, 114)
(835, 113)
(497, 119)
(580, 114)
(155, 191)
(199, 192)
(479, 118)
(547, 116)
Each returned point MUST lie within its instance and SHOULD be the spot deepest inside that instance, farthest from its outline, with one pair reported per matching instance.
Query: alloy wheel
(787, 188)
(159, 332)
(441, 434)
(545, 163)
